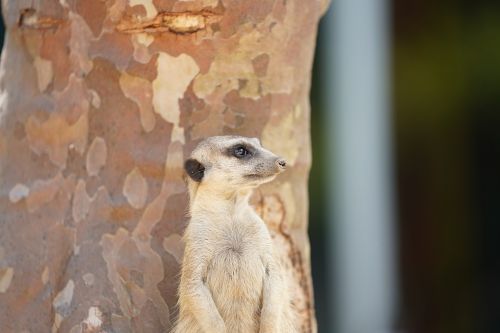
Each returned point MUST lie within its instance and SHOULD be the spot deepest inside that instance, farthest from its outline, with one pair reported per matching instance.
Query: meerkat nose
(281, 163)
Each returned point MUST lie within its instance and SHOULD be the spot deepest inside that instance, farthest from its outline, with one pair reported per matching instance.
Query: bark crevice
(29, 19)
(178, 23)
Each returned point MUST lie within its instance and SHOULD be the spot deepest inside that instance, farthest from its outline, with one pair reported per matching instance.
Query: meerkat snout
(281, 163)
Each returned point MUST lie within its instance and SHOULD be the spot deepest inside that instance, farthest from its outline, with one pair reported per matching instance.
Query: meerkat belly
(235, 278)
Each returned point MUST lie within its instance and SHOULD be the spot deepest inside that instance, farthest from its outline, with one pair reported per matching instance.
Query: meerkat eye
(241, 151)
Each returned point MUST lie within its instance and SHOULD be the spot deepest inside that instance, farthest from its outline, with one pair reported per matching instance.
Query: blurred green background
(446, 130)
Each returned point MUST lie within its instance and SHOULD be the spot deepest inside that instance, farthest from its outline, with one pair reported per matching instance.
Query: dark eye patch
(241, 151)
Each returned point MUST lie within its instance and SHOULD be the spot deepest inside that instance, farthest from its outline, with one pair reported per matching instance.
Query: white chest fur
(235, 274)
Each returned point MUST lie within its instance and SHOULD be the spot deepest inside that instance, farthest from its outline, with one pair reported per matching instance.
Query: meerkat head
(231, 163)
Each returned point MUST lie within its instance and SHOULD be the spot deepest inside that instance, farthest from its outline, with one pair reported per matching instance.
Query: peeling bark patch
(204, 3)
(230, 69)
(55, 136)
(18, 192)
(280, 135)
(272, 210)
(29, 19)
(76, 329)
(44, 73)
(6, 275)
(63, 299)
(260, 64)
(144, 39)
(125, 255)
(81, 202)
(96, 156)
(74, 99)
(95, 99)
(174, 245)
(88, 279)
(43, 191)
(116, 48)
(93, 12)
(79, 44)
(45, 275)
(140, 91)
(135, 189)
(111, 245)
(120, 324)
(94, 319)
(174, 74)
(180, 23)
(148, 6)
(301, 285)
(57, 323)
(152, 214)
(141, 41)
(174, 165)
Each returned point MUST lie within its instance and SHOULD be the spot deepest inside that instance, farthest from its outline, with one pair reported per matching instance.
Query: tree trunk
(101, 101)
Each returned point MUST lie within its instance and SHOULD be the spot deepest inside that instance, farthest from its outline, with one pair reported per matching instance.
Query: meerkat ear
(194, 169)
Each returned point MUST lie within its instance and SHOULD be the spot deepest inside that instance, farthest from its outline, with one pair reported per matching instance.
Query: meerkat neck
(210, 200)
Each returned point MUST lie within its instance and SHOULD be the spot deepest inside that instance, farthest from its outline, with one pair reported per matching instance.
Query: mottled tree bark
(101, 101)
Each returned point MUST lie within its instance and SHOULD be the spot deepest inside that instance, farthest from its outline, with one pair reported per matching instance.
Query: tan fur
(230, 280)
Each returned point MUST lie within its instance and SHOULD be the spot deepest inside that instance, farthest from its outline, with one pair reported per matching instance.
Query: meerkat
(230, 280)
